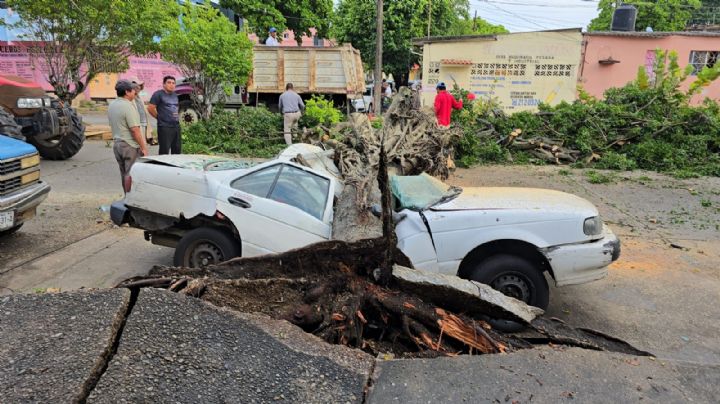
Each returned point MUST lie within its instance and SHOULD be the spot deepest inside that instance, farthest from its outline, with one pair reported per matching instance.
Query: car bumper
(574, 264)
(24, 202)
(119, 212)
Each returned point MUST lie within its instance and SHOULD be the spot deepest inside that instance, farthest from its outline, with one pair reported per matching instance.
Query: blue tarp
(419, 192)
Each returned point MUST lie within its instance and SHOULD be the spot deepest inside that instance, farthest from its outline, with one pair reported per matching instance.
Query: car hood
(10, 148)
(518, 199)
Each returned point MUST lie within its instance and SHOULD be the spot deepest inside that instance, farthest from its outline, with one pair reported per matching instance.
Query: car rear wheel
(515, 277)
(205, 246)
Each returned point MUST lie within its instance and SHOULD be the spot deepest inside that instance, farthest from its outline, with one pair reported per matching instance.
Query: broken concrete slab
(463, 296)
(543, 375)
(50, 344)
(180, 349)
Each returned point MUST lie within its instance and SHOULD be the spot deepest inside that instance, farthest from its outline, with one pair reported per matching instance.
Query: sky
(536, 15)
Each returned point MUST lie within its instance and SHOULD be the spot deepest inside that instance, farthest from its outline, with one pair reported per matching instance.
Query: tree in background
(296, 15)
(708, 14)
(76, 40)
(207, 48)
(661, 15)
(355, 22)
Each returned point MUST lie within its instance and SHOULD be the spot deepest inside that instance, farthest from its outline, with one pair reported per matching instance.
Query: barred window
(700, 59)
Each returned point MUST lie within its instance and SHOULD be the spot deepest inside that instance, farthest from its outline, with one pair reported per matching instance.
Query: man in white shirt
(272, 39)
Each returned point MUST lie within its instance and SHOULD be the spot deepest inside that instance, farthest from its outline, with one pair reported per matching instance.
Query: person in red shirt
(444, 103)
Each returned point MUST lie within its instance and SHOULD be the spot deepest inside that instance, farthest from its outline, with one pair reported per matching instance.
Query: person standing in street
(444, 103)
(128, 142)
(139, 86)
(272, 39)
(291, 107)
(163, 106)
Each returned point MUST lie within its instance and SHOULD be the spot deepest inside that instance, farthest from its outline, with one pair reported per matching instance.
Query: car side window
(258, 183)
(303, 190)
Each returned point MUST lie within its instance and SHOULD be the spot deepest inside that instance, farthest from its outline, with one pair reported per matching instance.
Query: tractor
(28, 113)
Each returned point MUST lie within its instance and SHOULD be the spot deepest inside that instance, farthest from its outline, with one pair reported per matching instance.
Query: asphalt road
(658, 297)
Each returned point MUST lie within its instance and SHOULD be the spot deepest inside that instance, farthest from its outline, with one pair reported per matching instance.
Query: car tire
(8, 126)
(187, 112)
(65, 146)
(12, 230)
(205, 246)
(514, 276)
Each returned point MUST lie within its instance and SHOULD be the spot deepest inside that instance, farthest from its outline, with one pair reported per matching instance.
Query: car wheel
(64, 146)
(188, 113)
(205, 246)
(515, 277)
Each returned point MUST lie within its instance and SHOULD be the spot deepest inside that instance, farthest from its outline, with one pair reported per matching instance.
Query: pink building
(611, 59)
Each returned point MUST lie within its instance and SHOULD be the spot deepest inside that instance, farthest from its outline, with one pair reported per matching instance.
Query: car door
(278, 208)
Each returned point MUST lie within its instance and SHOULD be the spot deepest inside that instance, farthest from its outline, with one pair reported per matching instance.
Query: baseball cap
(440, 84)
(124, 85)
(272, 29)
(135, 80)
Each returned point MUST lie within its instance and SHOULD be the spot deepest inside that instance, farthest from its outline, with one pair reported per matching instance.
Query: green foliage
(296, 15)
(647, 124)
(664, 15)
(355, 22)
(89, 36)
(207, 47)
(595, 177)
(251, 132)
(320, 111)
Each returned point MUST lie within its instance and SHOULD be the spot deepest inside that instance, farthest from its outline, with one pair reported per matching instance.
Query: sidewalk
(155, 346)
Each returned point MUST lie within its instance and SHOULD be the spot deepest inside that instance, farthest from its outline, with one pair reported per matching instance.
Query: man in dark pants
(163, 106)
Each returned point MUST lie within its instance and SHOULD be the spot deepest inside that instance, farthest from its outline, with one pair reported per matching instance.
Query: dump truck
(334, 72)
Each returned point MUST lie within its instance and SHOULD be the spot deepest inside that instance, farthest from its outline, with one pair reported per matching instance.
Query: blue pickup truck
(21, 190)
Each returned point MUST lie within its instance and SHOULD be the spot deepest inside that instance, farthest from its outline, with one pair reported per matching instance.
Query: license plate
(7, 219)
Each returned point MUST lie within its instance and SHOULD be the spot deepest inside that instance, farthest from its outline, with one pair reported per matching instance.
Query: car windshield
(368, 90)
(420, 192)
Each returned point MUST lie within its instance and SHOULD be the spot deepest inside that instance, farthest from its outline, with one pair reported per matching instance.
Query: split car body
(210, 210)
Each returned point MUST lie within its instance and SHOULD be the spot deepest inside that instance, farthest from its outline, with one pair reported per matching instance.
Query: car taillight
(127, 183)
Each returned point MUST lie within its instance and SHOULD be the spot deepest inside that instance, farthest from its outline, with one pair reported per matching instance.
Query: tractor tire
(8, 126)
(65, 146)
(188, 113)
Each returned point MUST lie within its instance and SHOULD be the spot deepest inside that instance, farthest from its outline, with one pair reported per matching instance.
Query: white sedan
(211, 210)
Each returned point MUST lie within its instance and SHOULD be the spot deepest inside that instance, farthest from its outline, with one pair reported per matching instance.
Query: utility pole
(377, 90)
(474, 22)
(429, 16)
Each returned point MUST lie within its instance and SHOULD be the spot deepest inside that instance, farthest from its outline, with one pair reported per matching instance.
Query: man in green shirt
(129, 143)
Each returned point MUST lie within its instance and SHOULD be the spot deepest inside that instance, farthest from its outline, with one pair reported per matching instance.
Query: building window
(700, 59)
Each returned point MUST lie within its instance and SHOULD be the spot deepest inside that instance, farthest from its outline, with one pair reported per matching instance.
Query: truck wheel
(188, 113)
(10, 231)
(65, 146)
(205, 246)
(514, 277)
(8, 126)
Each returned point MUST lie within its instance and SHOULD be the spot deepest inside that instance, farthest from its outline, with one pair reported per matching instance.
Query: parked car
(365, 103)
(21, 190)
(211, 210)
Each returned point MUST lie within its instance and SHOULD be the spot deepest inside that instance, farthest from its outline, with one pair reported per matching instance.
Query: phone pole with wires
(377, 91)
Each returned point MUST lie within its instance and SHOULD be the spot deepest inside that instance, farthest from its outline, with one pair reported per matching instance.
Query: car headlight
(47, 102)
(30, 102)
(593, 226)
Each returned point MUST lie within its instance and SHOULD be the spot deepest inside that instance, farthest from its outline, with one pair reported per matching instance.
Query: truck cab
(21, 189)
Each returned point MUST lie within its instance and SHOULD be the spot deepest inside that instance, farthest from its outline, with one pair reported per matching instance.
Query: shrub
(320, 111)
(249, 132)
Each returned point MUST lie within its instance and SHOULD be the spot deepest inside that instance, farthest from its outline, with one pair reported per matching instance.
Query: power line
(540, 4)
